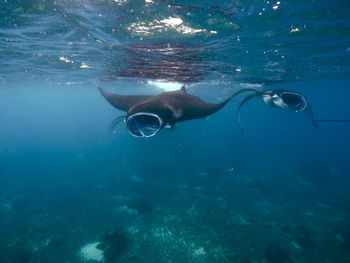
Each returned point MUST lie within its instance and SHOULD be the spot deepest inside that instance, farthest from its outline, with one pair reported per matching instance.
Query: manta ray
(146, 115)
(283, 99)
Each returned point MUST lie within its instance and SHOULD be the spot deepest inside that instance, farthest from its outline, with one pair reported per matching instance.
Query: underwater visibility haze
(243, 112)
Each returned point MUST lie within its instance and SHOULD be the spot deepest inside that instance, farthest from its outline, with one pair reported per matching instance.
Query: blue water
(204, 191)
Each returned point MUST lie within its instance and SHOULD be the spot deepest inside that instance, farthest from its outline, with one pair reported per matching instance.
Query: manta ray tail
(315, 122)
(331, 121)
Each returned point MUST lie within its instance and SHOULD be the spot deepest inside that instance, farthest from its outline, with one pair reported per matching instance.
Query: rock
(91, 253)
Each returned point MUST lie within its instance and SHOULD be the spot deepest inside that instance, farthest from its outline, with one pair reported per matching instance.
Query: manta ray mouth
(144, 124)
(291, 101)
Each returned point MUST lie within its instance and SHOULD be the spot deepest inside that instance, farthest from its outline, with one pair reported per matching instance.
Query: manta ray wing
(124, 102)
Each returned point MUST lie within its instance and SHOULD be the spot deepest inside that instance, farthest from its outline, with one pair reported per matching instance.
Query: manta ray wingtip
(104, 92)
(101, 89)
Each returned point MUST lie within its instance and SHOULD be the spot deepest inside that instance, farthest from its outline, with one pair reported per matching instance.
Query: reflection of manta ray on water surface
(163, 61)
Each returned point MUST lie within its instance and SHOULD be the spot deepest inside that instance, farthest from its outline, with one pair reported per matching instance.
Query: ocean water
(71, 190)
